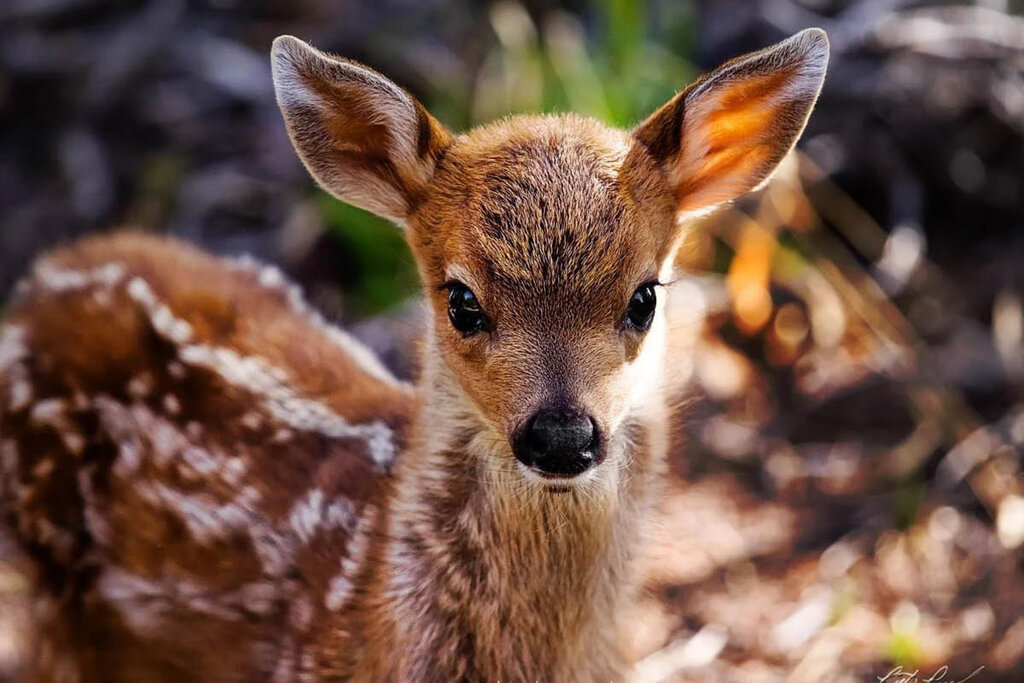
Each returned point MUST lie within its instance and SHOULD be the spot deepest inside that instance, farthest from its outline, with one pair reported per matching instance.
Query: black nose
(559, 443)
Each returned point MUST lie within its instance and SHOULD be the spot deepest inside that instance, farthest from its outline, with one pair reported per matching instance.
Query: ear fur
(725, 134)
(364, 139)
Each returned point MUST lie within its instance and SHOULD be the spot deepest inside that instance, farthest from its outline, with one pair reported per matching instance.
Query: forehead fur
(538, 201)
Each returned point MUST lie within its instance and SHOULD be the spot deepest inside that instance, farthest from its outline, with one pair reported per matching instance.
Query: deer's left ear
(725, 134)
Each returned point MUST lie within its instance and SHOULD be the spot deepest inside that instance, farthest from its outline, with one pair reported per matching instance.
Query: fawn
(216, 485)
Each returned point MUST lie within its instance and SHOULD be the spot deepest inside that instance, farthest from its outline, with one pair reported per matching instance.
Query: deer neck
(516, 581)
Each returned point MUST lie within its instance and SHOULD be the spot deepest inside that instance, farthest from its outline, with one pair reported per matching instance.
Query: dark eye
(464, 310)
(640, 313)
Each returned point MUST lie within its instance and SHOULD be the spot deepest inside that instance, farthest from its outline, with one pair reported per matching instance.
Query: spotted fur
(182, 474)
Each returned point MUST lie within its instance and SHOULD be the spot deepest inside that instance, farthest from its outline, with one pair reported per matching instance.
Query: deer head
(544, 243)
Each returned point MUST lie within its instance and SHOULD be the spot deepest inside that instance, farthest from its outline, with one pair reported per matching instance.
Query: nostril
(553, 432)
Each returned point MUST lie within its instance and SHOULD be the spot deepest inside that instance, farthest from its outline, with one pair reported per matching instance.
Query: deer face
(544, 242)
(543, 251)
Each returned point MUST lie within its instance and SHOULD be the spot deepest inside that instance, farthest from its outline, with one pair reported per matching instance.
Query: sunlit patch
(753, 89)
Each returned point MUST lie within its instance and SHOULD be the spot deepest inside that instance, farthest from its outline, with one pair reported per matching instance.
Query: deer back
(192, 457)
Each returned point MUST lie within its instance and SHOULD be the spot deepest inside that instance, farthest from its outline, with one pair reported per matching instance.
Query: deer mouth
(557, 483)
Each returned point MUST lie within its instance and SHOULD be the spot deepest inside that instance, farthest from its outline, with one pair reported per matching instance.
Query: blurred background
(850, 496)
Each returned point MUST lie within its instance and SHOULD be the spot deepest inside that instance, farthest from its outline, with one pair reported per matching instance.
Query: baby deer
(216, 485)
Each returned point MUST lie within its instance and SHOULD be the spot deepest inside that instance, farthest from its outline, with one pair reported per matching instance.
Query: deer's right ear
(364, 139)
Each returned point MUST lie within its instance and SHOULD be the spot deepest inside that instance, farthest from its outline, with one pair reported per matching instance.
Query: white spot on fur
(55, 279)
(301, 613)
(20, 390)
(172, 405)
(264, 380)
(160, 316)
(146, 603)
(95, 522)
(206, 517)
(306, 514)
(53, 413)
(234, 470)
(43, 469)
(307, 666)
(252, 420)
(313, 514)
(12, 345)
(194, 430)
(339, 590)
(118, 424)
(284, 672)
(13, 353)
(269, 383)
(141, 385)
(47, 412)
(102, 298)
(259, 598)
(79, 401)
(60, 541)
(271, 277)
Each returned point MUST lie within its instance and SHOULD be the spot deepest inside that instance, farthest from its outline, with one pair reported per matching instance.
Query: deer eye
(464, 310)
(640, 312)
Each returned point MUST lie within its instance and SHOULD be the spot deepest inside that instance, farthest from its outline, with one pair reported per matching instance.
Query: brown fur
(205, 471)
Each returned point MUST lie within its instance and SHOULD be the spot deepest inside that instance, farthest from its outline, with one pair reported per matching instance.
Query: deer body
(216, 485)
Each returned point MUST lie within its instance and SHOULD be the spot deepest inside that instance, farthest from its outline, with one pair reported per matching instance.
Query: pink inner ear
(733, 134)
(725, 175)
